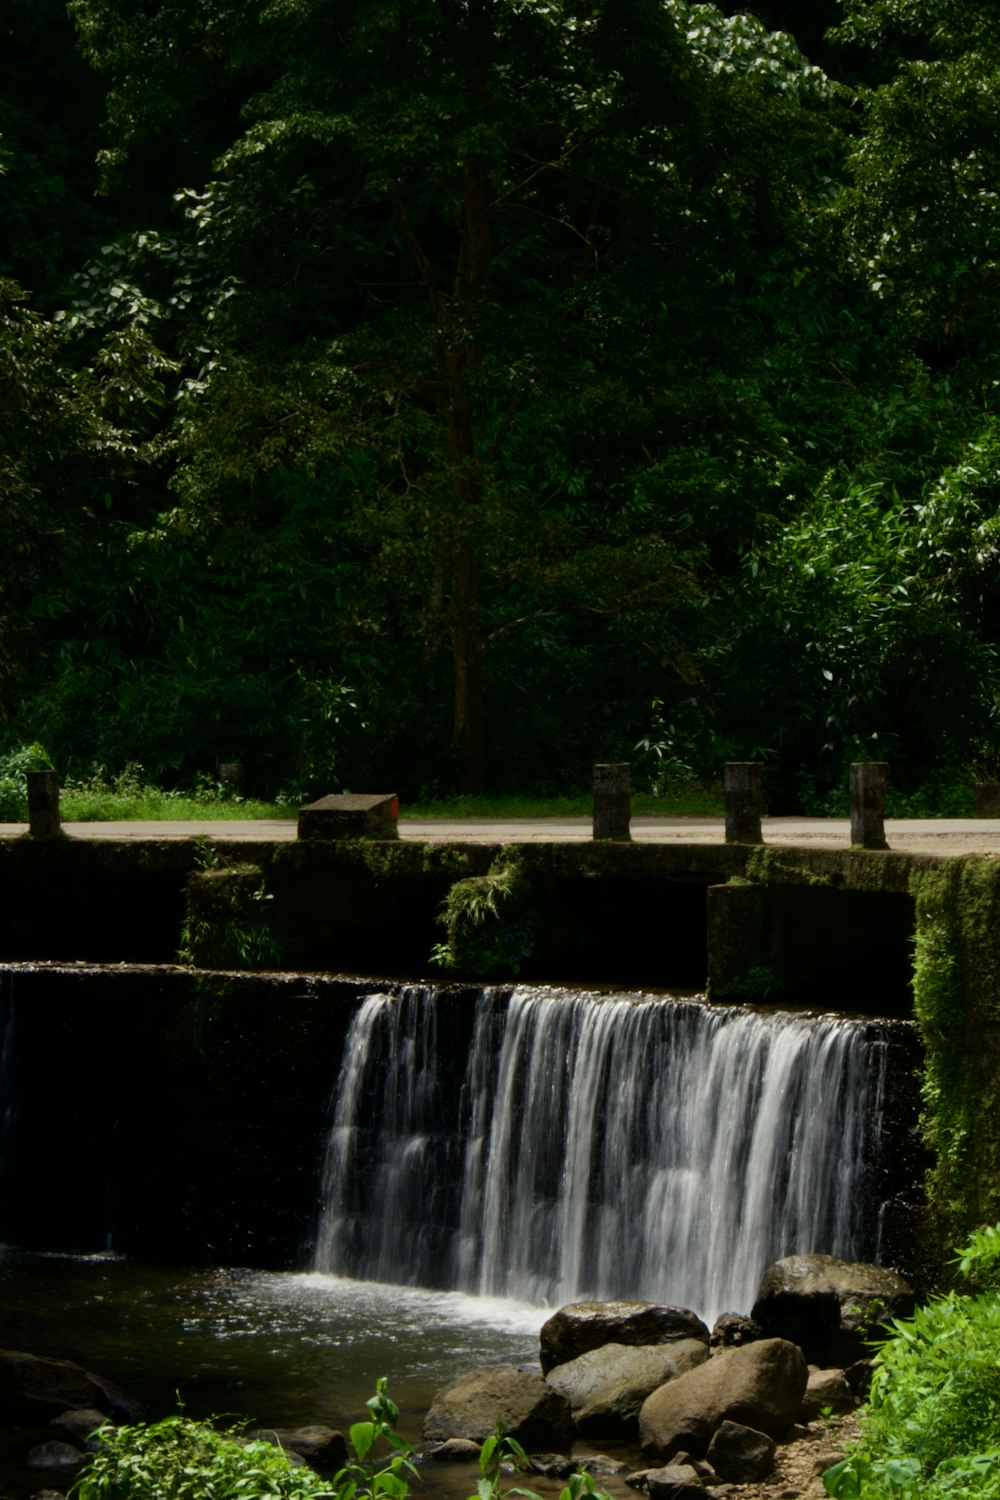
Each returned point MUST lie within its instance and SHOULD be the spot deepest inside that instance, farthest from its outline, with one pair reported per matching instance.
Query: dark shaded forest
(452, 393)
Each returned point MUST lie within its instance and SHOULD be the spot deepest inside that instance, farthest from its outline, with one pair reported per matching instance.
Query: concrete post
(612, 802)
(743, 789)
(43, 804)
(868, 784)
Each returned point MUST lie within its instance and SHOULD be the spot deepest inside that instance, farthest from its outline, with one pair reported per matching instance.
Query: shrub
(14, 767)
(932, 1430)
(179, 1459)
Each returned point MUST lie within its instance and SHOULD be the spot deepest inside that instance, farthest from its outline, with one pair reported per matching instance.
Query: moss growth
(492, 921)
(956, 993)
(228, 923)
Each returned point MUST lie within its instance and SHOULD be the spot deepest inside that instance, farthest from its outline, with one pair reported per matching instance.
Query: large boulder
(532, 1411)
(581, 1326)
(831, 1308)
(760, 1385)
(36, 1389)
(606, 1387)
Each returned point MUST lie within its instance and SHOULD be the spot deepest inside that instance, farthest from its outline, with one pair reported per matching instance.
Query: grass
(695, 800)
(127, 798)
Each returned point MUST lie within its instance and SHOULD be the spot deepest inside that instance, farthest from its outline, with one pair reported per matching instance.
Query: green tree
(492, 277)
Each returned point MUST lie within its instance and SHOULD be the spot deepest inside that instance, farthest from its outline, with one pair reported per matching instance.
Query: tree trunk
(467, 654)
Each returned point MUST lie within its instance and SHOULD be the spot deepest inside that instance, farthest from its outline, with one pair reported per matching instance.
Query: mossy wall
(956, 998)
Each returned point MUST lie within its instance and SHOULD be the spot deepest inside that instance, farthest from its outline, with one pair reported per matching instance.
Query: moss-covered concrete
(956, 994)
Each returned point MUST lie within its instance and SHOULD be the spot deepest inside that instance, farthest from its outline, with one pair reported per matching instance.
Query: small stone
(551, 1465)
(732, 1329)
(81, 1422)
(53, 1455)
(674, 1482)
(452, 1449)
(601, 1464)
(741, 1454)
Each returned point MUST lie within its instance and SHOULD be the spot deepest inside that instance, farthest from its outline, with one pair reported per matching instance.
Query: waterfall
(560, 1145)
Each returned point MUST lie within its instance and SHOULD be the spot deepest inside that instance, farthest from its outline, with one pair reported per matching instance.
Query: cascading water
(570, 1145)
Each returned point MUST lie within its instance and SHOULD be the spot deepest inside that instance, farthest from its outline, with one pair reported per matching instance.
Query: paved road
(917, 836)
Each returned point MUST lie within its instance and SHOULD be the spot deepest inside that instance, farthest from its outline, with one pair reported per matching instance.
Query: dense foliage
(452, 393)
(932, 1428)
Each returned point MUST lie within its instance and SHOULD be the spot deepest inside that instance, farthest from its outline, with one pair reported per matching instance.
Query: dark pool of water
(278, 1349)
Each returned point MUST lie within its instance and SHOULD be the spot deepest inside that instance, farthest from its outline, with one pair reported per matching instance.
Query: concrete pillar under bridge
(787, 941)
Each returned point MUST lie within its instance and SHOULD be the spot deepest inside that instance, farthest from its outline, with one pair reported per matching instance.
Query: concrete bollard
(743, 791)
(346, 816)
(987, 799)
(612, 801)
(43, 804)
(868, 785)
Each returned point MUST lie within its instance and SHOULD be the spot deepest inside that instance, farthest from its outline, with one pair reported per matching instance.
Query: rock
(462, 1450)
(35, 1389)
(606, 1387)
(675, 1482)
(733, 1329)
(830, 1307)
(581, 1326)
(760, 1385)
(826, 1390)
(741, 1454)
(81, 1423)
(471, 1407)
(600, 1465)
(320, 1447)
(551, 1465)
(54, 1455)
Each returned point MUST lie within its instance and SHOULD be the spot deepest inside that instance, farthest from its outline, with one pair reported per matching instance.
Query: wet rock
(80, 1424)
(740, 1454)
(54, 1455)
(830, 1307)
(472, 1405)
(733, 1329)
(551, 1465)
(674, 1482)
(606, 1387)
(581, 1326)
(600, 1465)
(826, 1391)
(461, 1450)
(35, 1389)
(320, 1447)
(760, 1385)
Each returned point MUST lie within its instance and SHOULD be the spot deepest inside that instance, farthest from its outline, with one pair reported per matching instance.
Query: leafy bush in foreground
(932, 1431)
(179, 1459)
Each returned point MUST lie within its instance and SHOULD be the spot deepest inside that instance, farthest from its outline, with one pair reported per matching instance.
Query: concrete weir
(823, 926)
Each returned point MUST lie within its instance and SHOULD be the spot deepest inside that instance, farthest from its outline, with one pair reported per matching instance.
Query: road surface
(940, 836)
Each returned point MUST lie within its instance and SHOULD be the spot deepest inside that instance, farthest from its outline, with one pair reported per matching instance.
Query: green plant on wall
(491, 921)
(229, 922)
